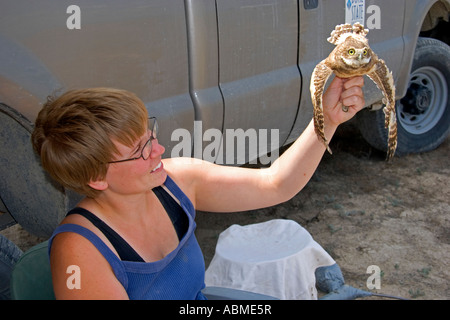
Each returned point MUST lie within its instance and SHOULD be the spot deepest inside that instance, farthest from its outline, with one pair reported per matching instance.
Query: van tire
(423, 115)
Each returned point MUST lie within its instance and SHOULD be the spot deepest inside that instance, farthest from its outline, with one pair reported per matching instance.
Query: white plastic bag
(276, 258)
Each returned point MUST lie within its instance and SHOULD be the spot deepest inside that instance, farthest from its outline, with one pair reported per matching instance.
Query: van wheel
(32, 198)
(423, 115)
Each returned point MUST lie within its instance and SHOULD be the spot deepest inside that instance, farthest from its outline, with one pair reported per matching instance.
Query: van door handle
(310, 4)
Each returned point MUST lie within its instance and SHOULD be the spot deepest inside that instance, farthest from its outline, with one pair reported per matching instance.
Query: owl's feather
(363, 61)
(320, 76)
(385, 82)
(339, 34)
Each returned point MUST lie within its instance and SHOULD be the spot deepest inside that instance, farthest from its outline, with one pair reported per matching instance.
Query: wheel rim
(425, 102)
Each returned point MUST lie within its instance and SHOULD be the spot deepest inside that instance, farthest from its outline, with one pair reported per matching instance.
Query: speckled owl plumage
(353, 57)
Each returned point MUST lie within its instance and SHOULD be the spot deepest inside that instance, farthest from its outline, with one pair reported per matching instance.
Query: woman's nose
(157, 149)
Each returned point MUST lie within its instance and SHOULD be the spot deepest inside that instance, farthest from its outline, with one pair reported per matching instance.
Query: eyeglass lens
(153, 126)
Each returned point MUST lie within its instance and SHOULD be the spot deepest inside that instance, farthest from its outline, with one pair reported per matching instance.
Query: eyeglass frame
(153, 136)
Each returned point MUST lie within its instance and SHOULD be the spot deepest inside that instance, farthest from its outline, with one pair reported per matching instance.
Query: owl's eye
(351, 52)
(365, 52)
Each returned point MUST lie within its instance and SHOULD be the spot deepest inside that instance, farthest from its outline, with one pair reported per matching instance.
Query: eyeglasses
(147, 149)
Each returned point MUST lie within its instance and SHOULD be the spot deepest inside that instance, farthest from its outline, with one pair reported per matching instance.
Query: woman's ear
(98, 185)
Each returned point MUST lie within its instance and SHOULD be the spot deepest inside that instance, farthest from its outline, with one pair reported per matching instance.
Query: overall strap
(107, 253)
(176, 213)
(125, 251)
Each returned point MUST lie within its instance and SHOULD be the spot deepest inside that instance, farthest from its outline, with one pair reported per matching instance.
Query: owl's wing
(319, 78)
(385, 82)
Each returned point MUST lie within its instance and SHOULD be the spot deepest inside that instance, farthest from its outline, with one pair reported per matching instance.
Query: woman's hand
(343, 92)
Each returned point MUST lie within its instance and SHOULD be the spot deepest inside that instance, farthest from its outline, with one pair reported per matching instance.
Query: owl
(352, 57)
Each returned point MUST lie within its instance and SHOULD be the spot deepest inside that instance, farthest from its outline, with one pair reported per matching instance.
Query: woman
(132, 236)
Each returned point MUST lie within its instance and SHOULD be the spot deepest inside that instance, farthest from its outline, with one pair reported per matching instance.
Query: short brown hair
(73, 134)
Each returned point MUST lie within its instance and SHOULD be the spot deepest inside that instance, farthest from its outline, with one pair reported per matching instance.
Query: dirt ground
(363, 211)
